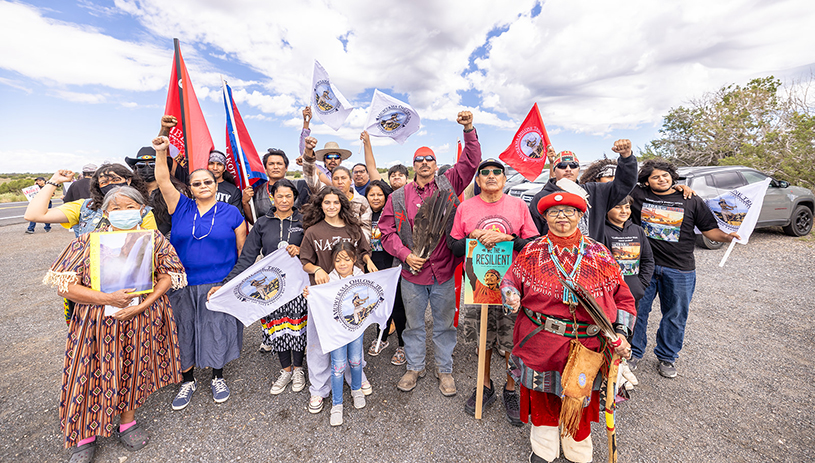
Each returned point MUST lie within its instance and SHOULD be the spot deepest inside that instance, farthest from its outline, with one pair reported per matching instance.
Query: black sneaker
(632, 363)
(489, 398)
(667, 369)
(512, 404)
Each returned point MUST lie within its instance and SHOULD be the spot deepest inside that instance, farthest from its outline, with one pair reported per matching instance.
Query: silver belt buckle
(591, 330)
(555, 326)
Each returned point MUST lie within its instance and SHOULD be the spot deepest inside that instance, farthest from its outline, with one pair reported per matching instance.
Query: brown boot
(408, 380)
(447, 385)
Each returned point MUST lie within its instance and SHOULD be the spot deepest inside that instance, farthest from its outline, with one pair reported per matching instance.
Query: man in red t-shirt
(492, 217)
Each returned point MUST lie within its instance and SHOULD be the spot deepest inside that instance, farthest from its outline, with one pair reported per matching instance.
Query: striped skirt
(285, 328)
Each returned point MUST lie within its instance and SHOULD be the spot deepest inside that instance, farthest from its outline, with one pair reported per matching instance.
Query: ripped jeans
(350, 353)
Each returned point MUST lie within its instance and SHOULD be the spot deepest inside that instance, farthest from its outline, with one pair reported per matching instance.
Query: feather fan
(592, 307)
(430, 223)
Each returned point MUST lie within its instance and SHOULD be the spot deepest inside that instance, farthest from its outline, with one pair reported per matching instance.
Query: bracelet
(56, 185)
(616, 344)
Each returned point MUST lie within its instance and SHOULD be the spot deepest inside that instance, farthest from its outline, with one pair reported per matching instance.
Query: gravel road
(744, 391)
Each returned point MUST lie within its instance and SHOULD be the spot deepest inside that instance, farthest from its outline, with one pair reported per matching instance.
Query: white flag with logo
(389, 117)
(329, 104)
(341, 310)
(738, 210)
(262, 288)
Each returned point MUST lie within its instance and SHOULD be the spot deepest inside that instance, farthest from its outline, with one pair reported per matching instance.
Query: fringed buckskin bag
(577, 379)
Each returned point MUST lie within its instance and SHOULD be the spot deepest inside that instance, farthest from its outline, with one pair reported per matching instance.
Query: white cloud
(597, 66)
(77, 97)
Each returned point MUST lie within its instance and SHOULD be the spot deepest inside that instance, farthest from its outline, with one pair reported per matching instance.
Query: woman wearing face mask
(377, 194)
(284, 329)
(208, 235)
(128, 355)
(85, 215)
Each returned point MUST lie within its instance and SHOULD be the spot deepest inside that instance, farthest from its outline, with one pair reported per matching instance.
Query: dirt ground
(744, 391)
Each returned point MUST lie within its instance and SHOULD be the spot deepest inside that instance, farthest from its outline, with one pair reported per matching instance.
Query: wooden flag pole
(482, 362)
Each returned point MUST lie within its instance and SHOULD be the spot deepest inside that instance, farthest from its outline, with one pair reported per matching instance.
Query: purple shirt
(440, 264)
(303, 134)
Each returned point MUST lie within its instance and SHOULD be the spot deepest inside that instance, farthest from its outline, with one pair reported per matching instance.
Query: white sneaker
(336, 415)
(282, 381)
(359, 398)
(315, 404)
(298, 380)
(367, 389)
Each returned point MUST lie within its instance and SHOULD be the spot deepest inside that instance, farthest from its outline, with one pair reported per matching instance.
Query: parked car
(513, 180)
(789, 207)
(521, 189)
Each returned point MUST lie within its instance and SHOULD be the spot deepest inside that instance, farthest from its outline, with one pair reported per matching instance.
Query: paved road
(745, 390)
(12, 213)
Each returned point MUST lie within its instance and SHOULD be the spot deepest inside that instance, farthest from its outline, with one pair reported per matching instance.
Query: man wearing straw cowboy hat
(560, 354)
(331, 155)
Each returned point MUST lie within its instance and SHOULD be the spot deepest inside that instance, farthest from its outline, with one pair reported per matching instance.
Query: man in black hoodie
(602, 196)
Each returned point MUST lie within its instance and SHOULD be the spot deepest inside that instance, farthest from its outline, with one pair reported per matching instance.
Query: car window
(542, 177)
(703, 186)
(752, 176)
(728, 180)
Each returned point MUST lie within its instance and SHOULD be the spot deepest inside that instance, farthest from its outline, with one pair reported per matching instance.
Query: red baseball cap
(561, 198)
(566, 156)
(424, 151)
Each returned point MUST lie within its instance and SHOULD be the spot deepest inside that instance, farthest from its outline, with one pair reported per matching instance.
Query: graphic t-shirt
(668, 221)
(626, 251)
(507, 215)
(319, 241)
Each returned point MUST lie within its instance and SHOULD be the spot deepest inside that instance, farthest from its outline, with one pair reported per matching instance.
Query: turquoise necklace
(568, 297)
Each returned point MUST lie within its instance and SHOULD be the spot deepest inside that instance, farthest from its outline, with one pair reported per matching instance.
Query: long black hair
(648, 167)
(386, 189)
(341, 246)
(313, 212)
(97, 198)
(593, 171)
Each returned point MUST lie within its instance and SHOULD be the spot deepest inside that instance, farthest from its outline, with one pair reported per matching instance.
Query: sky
(86, 81)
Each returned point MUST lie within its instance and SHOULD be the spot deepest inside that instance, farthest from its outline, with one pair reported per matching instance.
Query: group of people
(342, 223)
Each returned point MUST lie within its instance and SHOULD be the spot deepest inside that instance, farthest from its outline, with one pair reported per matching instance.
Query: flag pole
(241, 157)
(727, 253)
(180, 77)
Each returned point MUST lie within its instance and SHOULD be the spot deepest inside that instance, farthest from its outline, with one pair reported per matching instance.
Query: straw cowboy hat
(332, 147)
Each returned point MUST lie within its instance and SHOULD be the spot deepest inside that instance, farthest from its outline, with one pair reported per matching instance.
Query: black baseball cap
(491, 162)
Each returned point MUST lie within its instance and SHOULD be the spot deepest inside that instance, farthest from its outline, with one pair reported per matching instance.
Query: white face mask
(125, 220)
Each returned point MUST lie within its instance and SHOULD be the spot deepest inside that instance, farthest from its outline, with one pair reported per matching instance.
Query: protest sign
(30, 192)
(122, 260)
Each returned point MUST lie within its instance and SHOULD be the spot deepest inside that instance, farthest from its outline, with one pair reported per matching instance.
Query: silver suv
(790, 207)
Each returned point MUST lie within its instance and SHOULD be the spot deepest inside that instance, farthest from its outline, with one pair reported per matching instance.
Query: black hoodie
(632, 250)
(602, 197)
(265, 236)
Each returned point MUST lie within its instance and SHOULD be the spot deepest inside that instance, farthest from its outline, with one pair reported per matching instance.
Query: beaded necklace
(568, 297)
(195, 217)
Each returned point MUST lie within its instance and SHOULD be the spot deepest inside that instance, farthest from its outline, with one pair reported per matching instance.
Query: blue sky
(86, 81)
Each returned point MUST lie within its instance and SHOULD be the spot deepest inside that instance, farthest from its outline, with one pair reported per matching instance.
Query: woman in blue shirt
(208, 236)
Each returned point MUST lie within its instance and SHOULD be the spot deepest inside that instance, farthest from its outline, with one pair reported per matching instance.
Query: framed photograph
(122, 259)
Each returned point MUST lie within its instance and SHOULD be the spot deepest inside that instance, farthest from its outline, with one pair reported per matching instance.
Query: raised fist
(168, 121)
(161, 143)
(622, 147)
(465, 118)
(62, 176)
(311, 143)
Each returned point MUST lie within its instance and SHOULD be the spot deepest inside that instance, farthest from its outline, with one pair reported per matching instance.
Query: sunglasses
(427, 158)
(204, 182)
(486, 172)
(146, 164)
(570, 165)
(553, 213)
(332, 156)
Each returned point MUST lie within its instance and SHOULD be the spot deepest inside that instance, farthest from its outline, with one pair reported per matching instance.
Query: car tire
(800, 222)
(706, 243)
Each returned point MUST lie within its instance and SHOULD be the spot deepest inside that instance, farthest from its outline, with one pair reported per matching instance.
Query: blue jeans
(442, 299)
(350, 353)
(675, 289)
(47, 227)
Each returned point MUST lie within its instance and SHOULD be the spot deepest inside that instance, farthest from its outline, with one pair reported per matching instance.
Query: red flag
(527, 152)
(190, 139)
